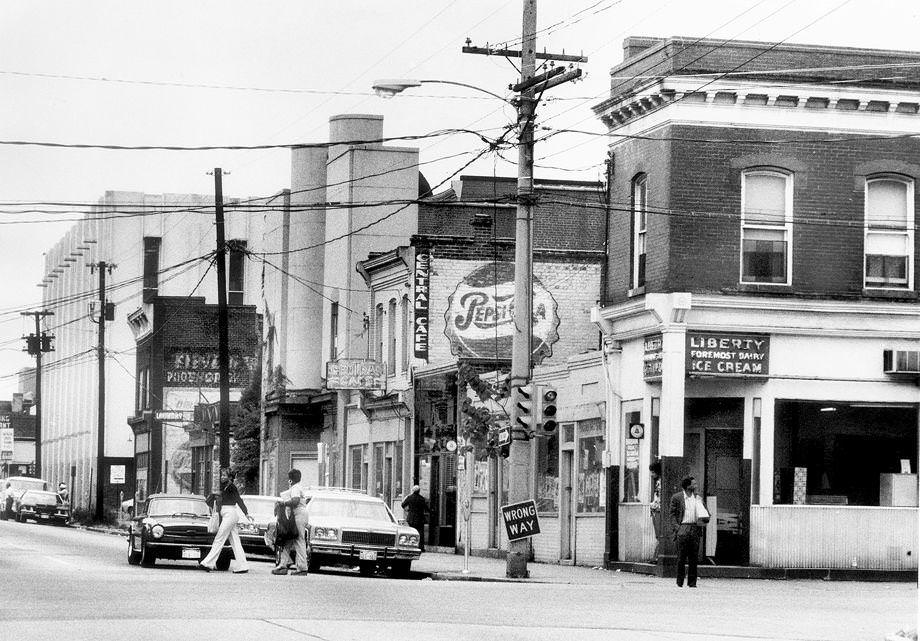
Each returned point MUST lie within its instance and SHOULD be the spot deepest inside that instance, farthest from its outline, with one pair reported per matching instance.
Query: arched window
(889, 239)
(405, 334)
(378, 333)
(391, 337)
(639, 226)
(766, 227)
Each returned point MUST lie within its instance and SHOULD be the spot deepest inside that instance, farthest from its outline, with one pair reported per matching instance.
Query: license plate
(191, 553)
(367, 555)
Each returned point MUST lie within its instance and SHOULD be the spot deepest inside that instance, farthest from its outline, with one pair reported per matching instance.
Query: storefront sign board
(724, 354)
(421, 304)
(651, 359)
(355, 373)
(6, 443)
(521, 520)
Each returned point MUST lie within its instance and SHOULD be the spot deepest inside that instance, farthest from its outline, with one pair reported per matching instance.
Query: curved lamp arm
(389, 88)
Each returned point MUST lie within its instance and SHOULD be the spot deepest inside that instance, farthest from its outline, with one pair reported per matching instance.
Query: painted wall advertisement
(480, 315)
(723, 354)
(421, 304)
(190, 367)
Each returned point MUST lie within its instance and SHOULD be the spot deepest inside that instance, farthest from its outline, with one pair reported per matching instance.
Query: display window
(591, 490)
(547, 469)
(830, 453)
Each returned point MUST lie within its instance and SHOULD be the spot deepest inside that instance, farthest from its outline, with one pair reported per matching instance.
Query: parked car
(172, 526)
(351, 528)
(262, 510)
(18, 485)
(41, 507)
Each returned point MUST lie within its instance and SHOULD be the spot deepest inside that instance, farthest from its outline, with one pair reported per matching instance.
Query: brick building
(761, 315)
(177, 371)
(447, 299)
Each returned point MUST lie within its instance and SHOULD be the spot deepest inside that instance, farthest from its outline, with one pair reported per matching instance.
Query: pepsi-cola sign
(480, 315)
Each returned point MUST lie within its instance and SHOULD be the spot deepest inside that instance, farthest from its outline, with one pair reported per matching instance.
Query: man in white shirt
(296, 499)
(687, 513)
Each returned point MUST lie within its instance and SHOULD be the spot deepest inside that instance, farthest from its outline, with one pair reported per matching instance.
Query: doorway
(565, 507)
(714, 454)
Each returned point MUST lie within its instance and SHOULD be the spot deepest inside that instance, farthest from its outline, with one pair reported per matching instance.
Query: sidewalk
(449, 567)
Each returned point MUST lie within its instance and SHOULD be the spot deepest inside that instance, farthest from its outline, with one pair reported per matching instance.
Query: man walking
(687, 512)
(416, 508)
(296, 499)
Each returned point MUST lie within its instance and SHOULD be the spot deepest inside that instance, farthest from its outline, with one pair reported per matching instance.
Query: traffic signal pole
(39, 344)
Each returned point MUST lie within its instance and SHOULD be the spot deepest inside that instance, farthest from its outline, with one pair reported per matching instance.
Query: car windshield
(372, 510)
(45, 498)
(260, 508)
(170, 506)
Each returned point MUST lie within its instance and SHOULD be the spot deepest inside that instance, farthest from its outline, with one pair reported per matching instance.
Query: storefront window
(631, 459)
(481, 477)
(547, 468)
(828, 453)
(590, 494)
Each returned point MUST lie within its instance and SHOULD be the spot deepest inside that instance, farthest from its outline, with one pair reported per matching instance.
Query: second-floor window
(333, 331)
(889, 238)
(766, 227)
(235, 271)
(151, 267)
(391, 337)
(378, 331)
(640, 218)
(405, 334)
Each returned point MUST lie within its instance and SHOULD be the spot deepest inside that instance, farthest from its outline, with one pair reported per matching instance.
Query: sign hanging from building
(421, 304)
(6, 443)
(521, 520)
(355, 373)
(651, 358)
(480, 315)
(116, 474)
(722, 354)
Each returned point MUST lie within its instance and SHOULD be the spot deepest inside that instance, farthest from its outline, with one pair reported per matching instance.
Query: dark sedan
(175, 527)
(41, 506)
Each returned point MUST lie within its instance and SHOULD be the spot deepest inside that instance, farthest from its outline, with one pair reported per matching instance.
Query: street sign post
(503, 435)
(521, 520)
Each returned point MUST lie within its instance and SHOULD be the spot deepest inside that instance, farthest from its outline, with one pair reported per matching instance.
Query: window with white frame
(378, 333)
(640, 219)
(405, 335)
(391, 337)
(889, 238)
(766, 227)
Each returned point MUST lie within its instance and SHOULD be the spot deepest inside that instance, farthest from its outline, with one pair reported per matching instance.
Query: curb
(455, 576)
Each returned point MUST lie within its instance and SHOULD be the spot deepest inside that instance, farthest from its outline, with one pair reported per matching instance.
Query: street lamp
(390, 87)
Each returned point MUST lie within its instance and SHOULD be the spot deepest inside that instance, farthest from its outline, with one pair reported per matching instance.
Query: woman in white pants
(226, 502)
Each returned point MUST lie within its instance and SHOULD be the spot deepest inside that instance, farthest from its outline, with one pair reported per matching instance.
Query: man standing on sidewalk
(687, 512)
(416, 508)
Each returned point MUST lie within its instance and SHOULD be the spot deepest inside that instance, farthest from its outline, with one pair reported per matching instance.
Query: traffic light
(523, 408)
(548, 422)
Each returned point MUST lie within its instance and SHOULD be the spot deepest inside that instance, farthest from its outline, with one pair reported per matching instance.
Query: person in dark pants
(416, 507)
(687, 512)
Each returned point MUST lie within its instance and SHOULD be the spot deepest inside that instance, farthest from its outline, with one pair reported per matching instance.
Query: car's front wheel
(400, 569)
(134, 557)
(148, 556)
(20, 517)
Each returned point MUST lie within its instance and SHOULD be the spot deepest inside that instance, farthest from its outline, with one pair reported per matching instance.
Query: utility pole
(529, 88)
(223, 338)
(36, 345)
(106, 312)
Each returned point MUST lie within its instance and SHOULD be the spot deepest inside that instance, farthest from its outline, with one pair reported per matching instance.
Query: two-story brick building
(761, 313)
(447, 299)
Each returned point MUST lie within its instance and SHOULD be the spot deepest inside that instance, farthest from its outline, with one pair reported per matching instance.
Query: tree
(247, 428)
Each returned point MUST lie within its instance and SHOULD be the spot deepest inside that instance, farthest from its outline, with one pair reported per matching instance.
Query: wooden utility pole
(530, 87)
(36, 345)
(223, 338)
(102, 267)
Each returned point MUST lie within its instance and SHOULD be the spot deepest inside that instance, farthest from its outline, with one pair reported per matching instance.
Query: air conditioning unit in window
(901, 361)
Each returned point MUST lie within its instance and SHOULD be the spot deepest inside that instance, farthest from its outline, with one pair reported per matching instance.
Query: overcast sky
(299, 63)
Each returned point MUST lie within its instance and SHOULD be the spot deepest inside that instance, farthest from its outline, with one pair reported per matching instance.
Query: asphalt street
(67, 583)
